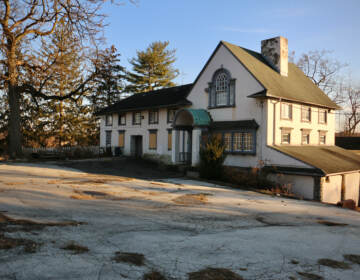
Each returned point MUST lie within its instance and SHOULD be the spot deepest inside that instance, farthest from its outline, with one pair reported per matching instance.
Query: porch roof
(200, 117)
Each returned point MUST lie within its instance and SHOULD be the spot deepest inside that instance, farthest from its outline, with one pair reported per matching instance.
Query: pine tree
(109, 84)
(152, 69)
(58, 122)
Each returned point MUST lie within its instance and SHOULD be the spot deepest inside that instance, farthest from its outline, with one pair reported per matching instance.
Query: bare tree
(352, 108)
(323, 71)
(23, 23)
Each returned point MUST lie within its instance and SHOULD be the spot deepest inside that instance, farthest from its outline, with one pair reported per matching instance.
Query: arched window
(221, 89)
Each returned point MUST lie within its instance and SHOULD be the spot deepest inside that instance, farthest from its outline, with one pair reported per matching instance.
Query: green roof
(201, 117)
(295, 87)
(328, 159)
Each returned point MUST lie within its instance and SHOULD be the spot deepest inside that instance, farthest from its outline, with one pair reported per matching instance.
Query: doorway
(136, 146)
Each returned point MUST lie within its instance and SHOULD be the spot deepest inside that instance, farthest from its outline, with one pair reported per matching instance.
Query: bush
(254, 178)
(212, 158)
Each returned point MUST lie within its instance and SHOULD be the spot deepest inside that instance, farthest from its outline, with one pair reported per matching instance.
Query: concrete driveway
(58, 223)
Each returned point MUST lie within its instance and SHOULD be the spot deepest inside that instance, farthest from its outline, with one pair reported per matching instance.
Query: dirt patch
(75, 248)
(214, 274)
(192, 199)
(133, 258)
(7, 243)
(13, 183)
(330, 224)
(352, 258)
(310, 276)
(334, 264)
(8, 224)
(90, 195)
(154, 275)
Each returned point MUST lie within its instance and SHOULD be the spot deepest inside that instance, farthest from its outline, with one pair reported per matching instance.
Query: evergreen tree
(109, 83)
(152, 69)
(58, 122)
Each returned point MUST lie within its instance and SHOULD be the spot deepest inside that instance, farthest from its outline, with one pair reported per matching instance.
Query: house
(266, 110)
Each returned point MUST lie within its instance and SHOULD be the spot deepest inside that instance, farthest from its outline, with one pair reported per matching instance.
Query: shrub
(253, 178)
(212, 158)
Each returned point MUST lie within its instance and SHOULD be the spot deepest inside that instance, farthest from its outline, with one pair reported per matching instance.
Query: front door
(136, 145)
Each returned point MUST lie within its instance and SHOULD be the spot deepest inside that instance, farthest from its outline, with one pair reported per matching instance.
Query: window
(171, 115)
(322, 137)
(227, 141)
(286, 111)
(108, 138)
(137, 118)
(221, 90)
(153, 117)
(108, 120)
(322, 116)
(305, 113)
(122, 119)
(238, 142)
(305, 137)
(121, 138)
(285, 136)
(169, 140)
(152, 139)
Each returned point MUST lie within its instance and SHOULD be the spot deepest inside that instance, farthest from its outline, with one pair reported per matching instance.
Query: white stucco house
(265, 109)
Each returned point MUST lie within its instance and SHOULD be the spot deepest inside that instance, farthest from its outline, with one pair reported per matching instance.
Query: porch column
(195, 156)
(175, 145)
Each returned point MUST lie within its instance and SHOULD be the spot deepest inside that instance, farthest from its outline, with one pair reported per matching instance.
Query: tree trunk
(15, 149)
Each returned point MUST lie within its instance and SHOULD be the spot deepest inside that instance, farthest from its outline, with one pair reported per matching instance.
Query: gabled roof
(162, 98)
(327, 159)
(295, 87)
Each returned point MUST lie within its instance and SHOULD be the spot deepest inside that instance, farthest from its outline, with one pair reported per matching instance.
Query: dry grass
(29, 225)
(192, 199)
(75, 248)
(330, 224)
(154, 275)
(13, 183)
(352, 258)
(7, 243)
(90, 195)
(334, 264)
(214, 274)
(127, 257)
(310, 276)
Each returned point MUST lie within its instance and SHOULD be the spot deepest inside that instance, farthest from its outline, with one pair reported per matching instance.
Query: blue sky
(194, 28)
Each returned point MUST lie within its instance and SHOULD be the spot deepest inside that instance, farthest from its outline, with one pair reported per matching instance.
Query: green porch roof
(201, 117)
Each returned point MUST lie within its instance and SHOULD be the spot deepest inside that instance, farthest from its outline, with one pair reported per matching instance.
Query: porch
(188, 125)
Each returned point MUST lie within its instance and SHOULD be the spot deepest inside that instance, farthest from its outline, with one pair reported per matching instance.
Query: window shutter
(232, 92)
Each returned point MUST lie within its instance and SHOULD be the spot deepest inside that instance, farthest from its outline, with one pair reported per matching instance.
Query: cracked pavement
(257, 236)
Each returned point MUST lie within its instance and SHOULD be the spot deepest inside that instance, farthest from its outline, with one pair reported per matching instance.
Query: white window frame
(305, 113)
(286, 131)
(322, 111)
(108, 135)
(109, 120)
(286, 111)
(306, 134)
(153, 116)
(134, 120)
(122, 119)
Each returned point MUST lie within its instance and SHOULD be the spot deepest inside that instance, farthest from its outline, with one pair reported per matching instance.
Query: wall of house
(296, 124)
(302, 186)
(331, 189)
(245, 108)
(140, 130)
(352, 185)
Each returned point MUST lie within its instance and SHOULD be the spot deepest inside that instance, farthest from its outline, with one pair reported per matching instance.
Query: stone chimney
(275, 51)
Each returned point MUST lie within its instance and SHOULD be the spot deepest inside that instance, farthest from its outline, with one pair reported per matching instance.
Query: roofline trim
(289, 99)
